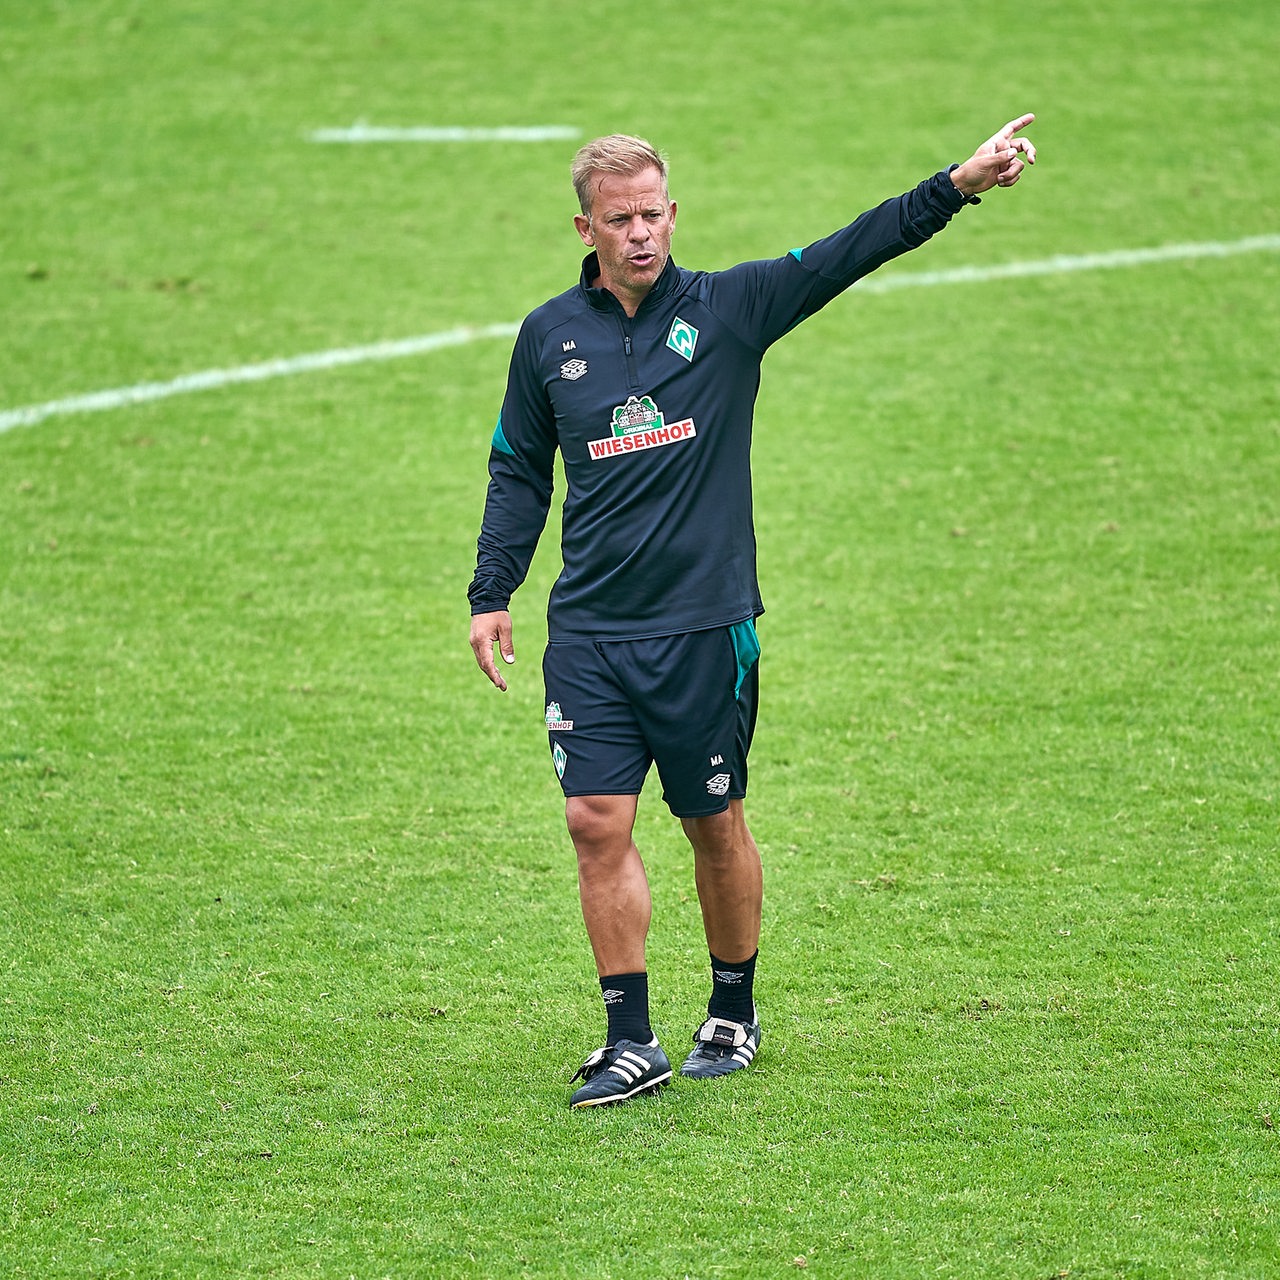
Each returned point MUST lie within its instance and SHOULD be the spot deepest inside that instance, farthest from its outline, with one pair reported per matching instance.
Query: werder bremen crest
(683, 338)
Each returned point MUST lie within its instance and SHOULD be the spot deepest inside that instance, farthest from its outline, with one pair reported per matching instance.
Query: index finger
(487, 630)
(485, 659)
(1014, 125)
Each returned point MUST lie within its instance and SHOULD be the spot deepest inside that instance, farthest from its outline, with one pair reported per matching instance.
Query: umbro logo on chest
(573, 369)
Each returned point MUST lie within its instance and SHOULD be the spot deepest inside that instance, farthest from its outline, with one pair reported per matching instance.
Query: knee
(596, 826)
(721, 839)
(714, 838)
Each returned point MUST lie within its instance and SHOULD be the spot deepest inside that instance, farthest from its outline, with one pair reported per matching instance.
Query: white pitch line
(394, 350)
(446, 133)
(211, 378)
(1061, 264)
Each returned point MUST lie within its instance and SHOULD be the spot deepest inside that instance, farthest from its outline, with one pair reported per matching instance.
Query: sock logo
(612, 995)
(728, 976)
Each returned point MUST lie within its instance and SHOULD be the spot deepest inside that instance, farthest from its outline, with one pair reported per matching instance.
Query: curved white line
(1060, 264)
(211, 378)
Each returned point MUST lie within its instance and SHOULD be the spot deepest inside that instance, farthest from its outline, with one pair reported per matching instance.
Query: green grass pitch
(293, 975)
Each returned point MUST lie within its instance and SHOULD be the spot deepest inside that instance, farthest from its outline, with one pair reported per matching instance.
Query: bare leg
(730, 882)
(613, 887)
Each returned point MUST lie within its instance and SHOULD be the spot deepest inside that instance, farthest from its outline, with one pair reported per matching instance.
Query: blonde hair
(618, 153)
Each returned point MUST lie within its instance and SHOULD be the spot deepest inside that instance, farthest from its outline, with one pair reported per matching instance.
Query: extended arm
(764, 300)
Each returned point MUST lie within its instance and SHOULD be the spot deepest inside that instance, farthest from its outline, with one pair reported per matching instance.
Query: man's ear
(582, 225)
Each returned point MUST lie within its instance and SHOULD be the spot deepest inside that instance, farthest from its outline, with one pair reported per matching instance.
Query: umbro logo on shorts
(718, 785)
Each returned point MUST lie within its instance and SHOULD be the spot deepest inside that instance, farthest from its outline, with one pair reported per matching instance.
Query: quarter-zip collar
(603, 300)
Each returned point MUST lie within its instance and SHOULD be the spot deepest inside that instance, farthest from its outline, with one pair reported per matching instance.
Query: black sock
(626, 1005)
(731, 990)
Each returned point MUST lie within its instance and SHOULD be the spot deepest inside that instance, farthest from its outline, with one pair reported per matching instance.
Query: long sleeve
(772, 297)
(521, 471)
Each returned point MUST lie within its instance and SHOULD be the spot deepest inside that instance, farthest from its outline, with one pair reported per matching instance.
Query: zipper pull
(626, 343)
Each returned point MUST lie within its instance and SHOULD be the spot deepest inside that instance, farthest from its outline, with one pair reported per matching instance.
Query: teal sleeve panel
(500, 441)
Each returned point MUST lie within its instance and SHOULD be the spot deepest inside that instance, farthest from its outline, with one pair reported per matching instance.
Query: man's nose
(639, 229)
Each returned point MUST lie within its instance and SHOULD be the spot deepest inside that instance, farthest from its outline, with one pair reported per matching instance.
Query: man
(644, 376)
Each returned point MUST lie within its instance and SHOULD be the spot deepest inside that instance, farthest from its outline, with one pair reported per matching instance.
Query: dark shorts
(685, 702)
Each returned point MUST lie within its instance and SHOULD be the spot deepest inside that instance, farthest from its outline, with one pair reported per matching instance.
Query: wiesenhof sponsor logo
(668, 433)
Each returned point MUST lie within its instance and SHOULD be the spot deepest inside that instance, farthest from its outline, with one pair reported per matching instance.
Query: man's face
(629, 227)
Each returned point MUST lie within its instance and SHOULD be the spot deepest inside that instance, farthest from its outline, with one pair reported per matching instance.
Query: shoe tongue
(721, 1031)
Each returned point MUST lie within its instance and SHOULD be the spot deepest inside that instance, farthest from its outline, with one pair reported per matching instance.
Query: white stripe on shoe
(630, 1067)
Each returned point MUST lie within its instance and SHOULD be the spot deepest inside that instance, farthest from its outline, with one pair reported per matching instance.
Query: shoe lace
(596, 1061)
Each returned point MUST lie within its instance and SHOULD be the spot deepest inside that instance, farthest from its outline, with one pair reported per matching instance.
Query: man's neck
(628, 302)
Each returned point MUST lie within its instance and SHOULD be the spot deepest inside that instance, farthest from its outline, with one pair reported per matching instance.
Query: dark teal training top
(652, 415)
